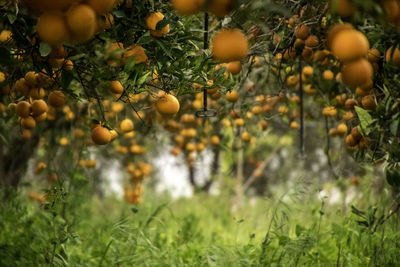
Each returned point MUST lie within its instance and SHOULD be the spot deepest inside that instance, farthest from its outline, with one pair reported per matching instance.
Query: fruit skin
(220, 8)
(232, 96)
(333, 31)
(393, 57)
(23, 109)
(187, 7)
(349, 45)
(167, 104)
(28, 122)
(100, 135)
(246, 137)
(234, 67)
(127, 126)
(56, 99)
(343, 8)
(5, 36)
(151, 23)
(357, 73)
(101, 6)
(52, 29)
(302, 32)
(116, 87)
(214, 140)
(82, 23)
(229, 45)
(312, 41)
(368, 102)
(138, 52)
(39, 107)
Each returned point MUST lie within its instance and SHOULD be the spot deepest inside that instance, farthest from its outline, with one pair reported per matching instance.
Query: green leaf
(11, 18)
(365, 119)
(66, 78)
(161, 24)
(44, 49)
(394, 126)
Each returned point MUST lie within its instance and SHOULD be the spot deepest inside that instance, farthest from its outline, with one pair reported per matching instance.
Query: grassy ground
(290, 228)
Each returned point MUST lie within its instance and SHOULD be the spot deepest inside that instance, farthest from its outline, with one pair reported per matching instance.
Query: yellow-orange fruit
(58, 52)
(246, 137)
(302, 32)
(214, 140)
(373, 55)
(347, 116)
(356, 134)
(116, 87)
(105, 22)
(48, 5)
(350, 141)
(41, 117)
(39, 107)
(294, 125)
(28, 122)
(5, 36)
(343, 8)
(350, 103)
(23, 109)
(312, 41)
(126, 125)
(229, 45)
(52, 29)
(82, 23)
(263, 124)
(31, 78)
(308, 71)
(234, 67)
(56, 99)
(239, 122)
(167, 104)
(137, 51)
(187, 7)
(232, 96)
(392, 8)
(342, 129)
(349, 45)
(26, 134)
(393, 56)
(327, 75)
(220, 8)
(368, 102)
(329, 111)
(152, 20)
(357, 73)
(68, 65)
(100, 135)
(101, 6)
(334, 30)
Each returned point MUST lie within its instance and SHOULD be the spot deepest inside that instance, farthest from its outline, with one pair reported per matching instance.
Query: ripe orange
(5, 36)
(152, 20)
(312, 41)
(350, 141)
(101, 6)
(342, 129)
(39, 107)
(56, 99)
(349, 45)
(234, 67)
(374, 55)
(52, 29)
(187, 7)
(100, 135)
(333, 31)
(214, 140)
(232, 96)
(138, 52)
(327, 75)
(343, 8)
(167, 104)
(393, 56)
(28, 122)
(302, 31)
(246, 137)
(368, 102)
(220, 8)
(357, 73)
(229, 45)
(113, 54)
(82, 23)
(23, 109)
(116, 87)
(126, 125)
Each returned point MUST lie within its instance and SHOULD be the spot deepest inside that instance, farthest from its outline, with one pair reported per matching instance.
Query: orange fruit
(368, 102)
(28, 122)
(138, 52)
(214, 140)
(167, 104)
(187, 7)
(393, 56)
(312, 41)
(100, 135)
(23, 109)
(342, 129)
(52, 29)
(116, 87)
(373, 55)
(5, 36)
(232, 96)
(349, 45)
(220, 8)
(82, 23)
(246, 137)
(302, 32)
(334, 30)
(357, 73)
(234, 67)
(101, 6)
(56, 99)
(39, 107)
(113, 54)
(152, 20)
(126, 125)
(343, 8)
(229, 45)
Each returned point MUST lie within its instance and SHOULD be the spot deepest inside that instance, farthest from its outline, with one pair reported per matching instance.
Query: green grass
(288, 229)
